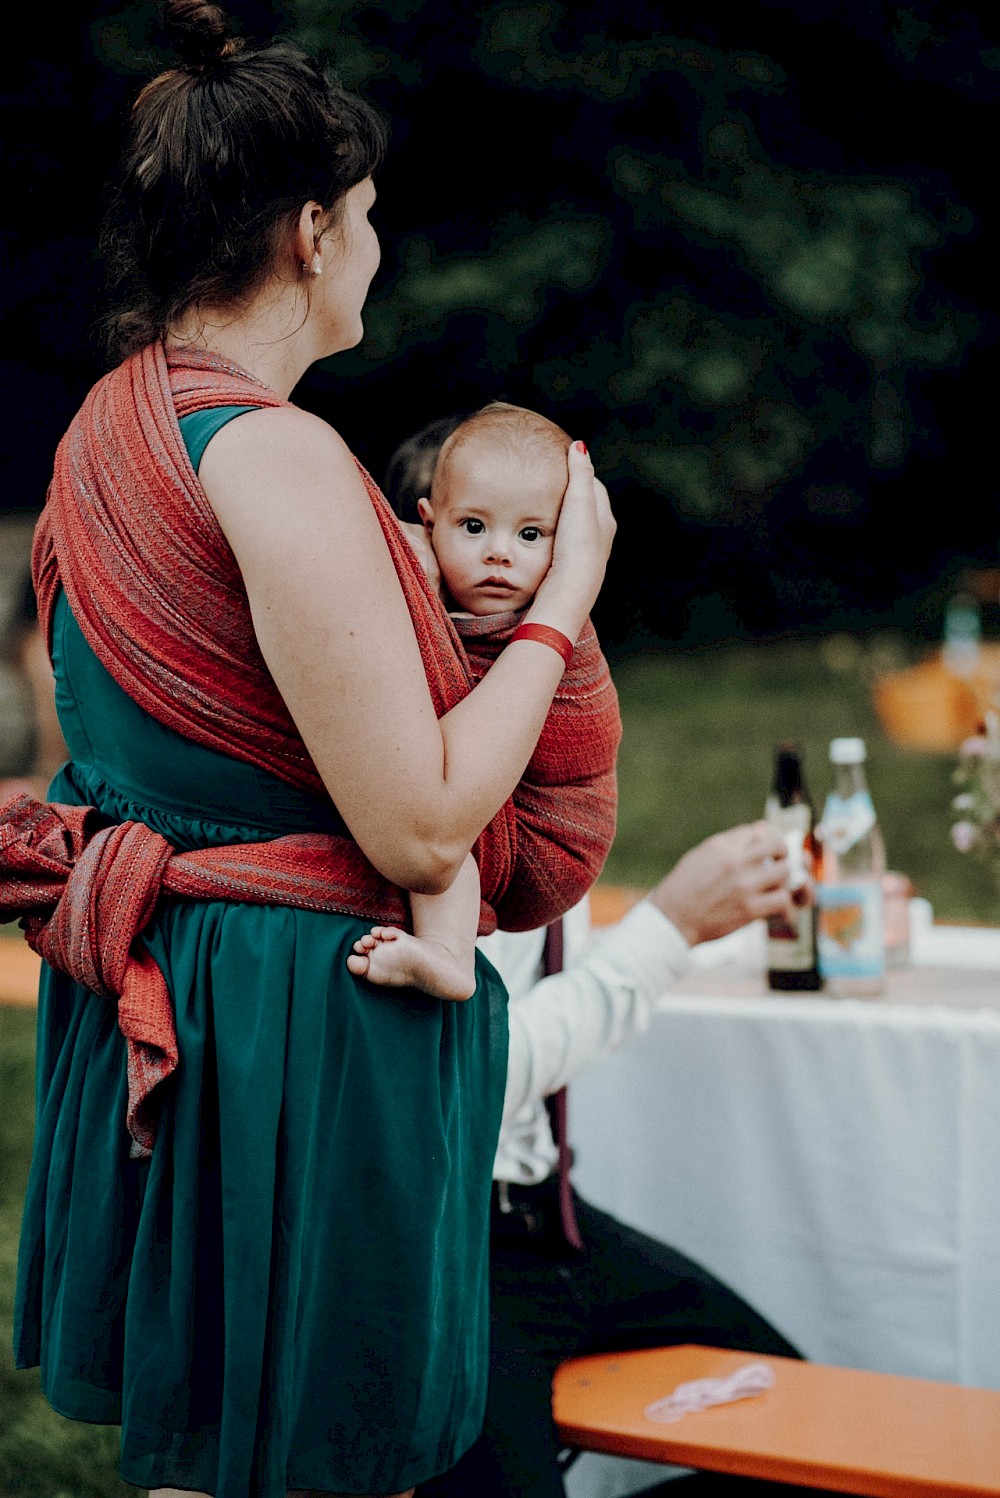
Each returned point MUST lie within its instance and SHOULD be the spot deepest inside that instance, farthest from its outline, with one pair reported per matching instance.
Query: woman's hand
(583, 540)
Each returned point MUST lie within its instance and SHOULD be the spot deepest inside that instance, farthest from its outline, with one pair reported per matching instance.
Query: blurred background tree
(746, 252)
(742, 255)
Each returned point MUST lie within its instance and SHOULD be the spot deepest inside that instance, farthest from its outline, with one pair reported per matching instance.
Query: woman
(278, 1283)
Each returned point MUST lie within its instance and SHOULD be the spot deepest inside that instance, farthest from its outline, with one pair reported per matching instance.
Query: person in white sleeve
(613, 977)
(618, 1289)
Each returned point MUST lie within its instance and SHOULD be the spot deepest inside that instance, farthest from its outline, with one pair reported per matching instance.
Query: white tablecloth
(835, 1161)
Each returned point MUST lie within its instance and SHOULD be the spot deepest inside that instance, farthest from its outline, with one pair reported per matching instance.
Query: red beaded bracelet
(546, 635)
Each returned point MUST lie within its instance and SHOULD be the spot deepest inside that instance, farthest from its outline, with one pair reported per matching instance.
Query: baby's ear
(426, 512)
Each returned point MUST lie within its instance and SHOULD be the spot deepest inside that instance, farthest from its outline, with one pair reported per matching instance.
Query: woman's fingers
(585, 530)
(580, 551)
(587, 497)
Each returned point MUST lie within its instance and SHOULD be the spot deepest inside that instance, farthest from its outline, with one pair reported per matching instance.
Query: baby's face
(492, 524)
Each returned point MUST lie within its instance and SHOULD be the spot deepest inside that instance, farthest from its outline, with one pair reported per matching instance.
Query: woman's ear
(307, 235)
(426, 512)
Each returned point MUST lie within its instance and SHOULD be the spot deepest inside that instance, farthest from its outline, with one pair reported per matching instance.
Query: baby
(495, 496)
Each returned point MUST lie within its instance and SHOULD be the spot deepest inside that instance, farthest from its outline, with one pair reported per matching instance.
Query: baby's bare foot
(395, 959)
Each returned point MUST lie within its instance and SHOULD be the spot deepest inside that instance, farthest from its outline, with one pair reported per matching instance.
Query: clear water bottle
(850, 891)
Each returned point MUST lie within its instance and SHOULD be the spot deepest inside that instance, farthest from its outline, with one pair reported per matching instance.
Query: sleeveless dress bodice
(292, 1292)
(116, 749)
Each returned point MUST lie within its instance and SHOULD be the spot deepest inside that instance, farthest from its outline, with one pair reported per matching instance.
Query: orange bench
(842, 1429)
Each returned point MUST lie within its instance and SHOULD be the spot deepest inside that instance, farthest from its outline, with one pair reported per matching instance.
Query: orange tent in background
(928, 706)
(937, 703)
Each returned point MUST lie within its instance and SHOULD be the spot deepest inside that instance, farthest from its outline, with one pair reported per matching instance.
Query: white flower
(964, 835)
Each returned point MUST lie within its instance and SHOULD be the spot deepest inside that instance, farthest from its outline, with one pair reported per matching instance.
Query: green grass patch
(41, 1454)
(697, 753)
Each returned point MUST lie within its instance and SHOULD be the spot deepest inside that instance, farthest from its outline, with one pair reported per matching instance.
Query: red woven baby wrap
(579, 798)
(129, 535)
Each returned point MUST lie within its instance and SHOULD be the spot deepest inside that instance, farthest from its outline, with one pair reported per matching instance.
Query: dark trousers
(549, 1303)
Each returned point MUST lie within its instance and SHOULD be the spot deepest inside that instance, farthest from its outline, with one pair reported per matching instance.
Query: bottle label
(790, 942)
(851, 936)
(794, 823)
(846, 820)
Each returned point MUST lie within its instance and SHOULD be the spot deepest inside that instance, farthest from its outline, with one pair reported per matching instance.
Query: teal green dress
(292, 1291)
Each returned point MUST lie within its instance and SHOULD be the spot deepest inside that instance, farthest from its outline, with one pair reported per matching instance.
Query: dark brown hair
(223, 153)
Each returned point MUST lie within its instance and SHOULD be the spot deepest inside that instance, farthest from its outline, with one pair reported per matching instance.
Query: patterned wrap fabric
(84, 891)
(128, 533)
(582, 801)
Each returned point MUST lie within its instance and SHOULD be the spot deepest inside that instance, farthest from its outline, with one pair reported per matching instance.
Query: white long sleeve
(561, 1024)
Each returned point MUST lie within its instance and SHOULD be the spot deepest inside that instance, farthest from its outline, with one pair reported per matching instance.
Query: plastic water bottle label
(846, 820)
(851, 937)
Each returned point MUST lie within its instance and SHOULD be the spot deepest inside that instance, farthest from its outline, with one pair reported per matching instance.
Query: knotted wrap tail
(85, 891)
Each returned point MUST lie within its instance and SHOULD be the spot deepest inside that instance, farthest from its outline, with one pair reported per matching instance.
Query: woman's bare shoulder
(278, 461)
(283, 434)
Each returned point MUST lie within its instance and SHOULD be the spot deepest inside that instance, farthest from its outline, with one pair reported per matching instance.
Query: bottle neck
(789, 788)
(849, 780)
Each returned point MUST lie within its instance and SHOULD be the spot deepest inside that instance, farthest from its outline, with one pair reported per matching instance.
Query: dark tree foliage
(743, 252)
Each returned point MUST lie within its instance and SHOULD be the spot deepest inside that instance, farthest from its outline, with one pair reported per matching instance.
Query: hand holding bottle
(734, 877)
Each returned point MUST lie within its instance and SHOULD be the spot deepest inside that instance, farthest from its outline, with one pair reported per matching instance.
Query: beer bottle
(792, 954)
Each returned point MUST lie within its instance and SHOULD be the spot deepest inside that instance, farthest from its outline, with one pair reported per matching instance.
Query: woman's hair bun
(199, 31)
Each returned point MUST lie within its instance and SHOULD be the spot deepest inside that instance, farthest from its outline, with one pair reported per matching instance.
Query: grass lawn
(697, 753)
(41, 1455)
(699, 735)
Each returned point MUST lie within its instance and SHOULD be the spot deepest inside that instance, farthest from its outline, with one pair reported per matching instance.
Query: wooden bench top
(873, 1434)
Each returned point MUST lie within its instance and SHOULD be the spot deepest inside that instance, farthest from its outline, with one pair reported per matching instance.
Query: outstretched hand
(737, 876)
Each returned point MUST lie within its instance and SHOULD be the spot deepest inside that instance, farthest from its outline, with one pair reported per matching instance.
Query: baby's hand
(421, 543)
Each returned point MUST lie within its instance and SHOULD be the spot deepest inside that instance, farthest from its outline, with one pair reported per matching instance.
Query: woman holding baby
(255, 1233)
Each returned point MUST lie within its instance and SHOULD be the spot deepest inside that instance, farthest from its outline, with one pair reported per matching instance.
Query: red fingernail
(581, 447)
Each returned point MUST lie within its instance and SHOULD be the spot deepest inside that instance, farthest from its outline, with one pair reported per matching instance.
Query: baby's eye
(530, 533)
(473, 526)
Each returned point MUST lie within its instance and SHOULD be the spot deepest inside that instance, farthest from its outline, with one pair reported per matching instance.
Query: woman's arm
(334, 629)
